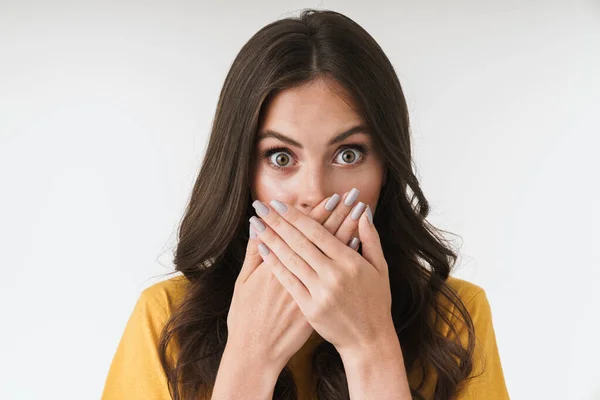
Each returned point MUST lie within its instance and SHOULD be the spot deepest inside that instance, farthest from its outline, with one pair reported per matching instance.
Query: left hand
(343, 295)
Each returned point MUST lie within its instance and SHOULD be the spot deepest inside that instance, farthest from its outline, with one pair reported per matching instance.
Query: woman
(289, 288)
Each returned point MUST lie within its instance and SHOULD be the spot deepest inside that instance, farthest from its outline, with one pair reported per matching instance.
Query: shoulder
(472, 296)
(467, 291)
(136, 371)
(487, 377)
(164, 296)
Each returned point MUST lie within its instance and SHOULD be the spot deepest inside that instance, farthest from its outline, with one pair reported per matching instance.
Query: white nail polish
(332, 202)
(352, 196)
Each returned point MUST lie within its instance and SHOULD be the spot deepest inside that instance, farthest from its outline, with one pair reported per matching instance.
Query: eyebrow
(266, 133)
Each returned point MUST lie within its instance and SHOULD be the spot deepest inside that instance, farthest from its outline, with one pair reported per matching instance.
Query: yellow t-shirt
(136, 373)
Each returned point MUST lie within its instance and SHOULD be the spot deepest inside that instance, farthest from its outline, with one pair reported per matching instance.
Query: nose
(312, 188)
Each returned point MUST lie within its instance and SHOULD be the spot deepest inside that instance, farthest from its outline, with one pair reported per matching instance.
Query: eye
(283, 155)
(281, 159)
(349, 155)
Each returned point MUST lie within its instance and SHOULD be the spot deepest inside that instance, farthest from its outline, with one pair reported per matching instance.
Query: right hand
(264, 322)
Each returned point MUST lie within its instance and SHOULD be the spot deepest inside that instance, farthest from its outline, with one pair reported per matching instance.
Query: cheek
(266, 187)
(368, 195)
(370, 188)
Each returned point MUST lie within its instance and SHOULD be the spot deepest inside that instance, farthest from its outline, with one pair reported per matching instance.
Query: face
(300, 158)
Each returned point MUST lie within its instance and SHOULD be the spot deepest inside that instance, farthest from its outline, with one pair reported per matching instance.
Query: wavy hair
(213, 233)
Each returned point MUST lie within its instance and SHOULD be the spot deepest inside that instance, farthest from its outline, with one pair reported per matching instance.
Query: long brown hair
(214, 231)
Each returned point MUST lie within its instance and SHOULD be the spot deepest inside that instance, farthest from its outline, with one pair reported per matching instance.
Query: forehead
(317, 107)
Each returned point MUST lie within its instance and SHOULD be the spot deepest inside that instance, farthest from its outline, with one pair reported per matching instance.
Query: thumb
(252, 259)
(371, 244)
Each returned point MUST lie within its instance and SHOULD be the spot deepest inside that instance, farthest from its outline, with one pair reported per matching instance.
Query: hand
(336, 220)
(344, 296)
(259, 296)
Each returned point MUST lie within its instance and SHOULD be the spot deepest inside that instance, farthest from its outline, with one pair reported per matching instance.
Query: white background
(105, 108)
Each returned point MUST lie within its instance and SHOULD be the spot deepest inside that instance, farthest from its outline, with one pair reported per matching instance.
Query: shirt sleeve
(487, 380)
(136, 372)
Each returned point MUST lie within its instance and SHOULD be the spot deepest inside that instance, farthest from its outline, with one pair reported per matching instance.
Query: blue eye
(286, 152)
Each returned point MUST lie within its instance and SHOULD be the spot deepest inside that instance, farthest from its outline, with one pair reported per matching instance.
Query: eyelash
(267, 153)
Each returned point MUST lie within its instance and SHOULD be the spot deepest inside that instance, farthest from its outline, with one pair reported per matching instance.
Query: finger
(371, 242)
(252, 259)
(294, 287)
(353, 243)
(289, 257)
(288, 280)
(340, 213)
(350, 224)
(323, 210)
(305, 235)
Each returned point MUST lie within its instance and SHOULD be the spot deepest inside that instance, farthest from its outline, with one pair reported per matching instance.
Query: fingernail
(358, 210)
(352, 196)
(279, 206)
(252, 233)
(257, 224)
(354, 243)
(370, 215)
(263, 249)
(261, 208)
(331, 203)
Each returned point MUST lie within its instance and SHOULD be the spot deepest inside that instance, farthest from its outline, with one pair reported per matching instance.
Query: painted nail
(263, 249)
(331, 203)
(358, 210)
(370, 215)
(279, 206)
(252, 233)
(261, 208)
(354, 243)
(257, 224)
(352, 196)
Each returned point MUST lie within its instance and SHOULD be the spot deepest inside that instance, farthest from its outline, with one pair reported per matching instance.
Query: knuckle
(276, 223)
(326, 302)
(291, 282)
(318, 235)
(301, 245)
(340, 217)
(334, 277)
(276, 264)
(291, 217)
(335, 222)
(287, 279)
(318, 216)
(353, 272)
(330, 226)
(295, 260)
(270, 238)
